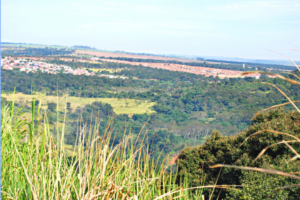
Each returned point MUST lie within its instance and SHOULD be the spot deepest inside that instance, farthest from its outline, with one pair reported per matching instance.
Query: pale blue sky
(232, 28)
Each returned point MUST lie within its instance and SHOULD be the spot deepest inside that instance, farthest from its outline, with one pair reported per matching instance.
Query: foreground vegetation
(233, 150)
(35, 164)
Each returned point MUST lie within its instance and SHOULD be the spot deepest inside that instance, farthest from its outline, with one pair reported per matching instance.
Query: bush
(218, 149)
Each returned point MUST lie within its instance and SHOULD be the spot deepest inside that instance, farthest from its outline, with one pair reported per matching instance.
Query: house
(7, 67)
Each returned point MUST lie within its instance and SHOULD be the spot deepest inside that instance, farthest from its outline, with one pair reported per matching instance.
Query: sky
(229, 28)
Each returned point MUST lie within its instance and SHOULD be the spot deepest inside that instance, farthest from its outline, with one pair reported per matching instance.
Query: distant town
(31, 65)
(204, 71)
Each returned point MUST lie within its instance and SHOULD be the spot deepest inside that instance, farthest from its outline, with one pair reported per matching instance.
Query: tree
(69, 106)
(51, 106)
(37, 102)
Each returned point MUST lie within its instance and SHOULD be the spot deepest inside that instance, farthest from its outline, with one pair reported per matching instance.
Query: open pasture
(120, 106)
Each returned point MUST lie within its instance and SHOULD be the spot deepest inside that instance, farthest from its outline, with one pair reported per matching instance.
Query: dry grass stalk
(282, 188)
(276, 106)
(200, 187)
(292, 74)
(282, 142)
(284, 95)
(268, 171)
(289, 57)
(277, 76)
(272, 131)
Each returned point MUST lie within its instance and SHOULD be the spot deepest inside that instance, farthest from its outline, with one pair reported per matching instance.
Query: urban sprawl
(32, 65)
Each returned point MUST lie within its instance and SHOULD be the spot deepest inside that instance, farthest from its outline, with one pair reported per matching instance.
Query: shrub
(195, 162)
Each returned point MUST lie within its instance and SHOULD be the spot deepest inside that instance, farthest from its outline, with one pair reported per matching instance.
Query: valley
(186, 102)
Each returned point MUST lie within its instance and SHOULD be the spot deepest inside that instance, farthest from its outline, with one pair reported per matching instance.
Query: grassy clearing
(120, 106)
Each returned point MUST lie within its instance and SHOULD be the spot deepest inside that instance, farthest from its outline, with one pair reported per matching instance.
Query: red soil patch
(107, 54)
(172, 161)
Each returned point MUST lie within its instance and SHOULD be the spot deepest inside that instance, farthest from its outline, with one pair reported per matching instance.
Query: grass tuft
(37, 165)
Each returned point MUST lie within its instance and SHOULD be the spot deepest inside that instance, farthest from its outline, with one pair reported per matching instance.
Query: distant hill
(244, 60)
(82, 47)
(187, 58)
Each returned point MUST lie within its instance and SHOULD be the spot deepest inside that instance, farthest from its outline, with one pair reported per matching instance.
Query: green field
(120, 106)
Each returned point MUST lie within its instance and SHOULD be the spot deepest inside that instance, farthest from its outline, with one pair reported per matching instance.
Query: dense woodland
(83, 47)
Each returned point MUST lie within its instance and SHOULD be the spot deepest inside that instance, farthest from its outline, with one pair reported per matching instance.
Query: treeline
(11, 43)
(36, 52)
(82, 47)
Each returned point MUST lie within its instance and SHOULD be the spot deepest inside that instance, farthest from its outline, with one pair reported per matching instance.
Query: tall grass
(35, 164)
